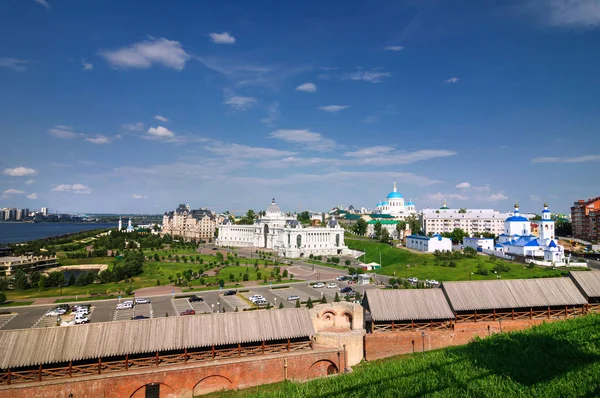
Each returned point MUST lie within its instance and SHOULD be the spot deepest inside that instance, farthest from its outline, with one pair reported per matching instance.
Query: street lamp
(218, 306)
(213, 307)
(275, 302)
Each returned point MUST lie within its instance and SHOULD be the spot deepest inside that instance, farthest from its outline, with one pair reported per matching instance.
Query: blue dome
(379, 204)
(545, 211)
(410, 203)
(385, 203)
(394, 195)
(516, 218)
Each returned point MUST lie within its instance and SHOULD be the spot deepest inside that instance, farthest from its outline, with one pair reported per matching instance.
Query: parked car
(346, 289)
(188, 312)
(142, 301)
(341, 278)
(56, 312)
(125, 305)
(293, 298)
(318, 285)
(331, 285)
(413, 279)
(137, 317)
(256, 297)
(81, 306)
(195, 298)
(229, 293)
(432, 282)
(81, 318)
(261, 303)
(82, 310)
(64, 306)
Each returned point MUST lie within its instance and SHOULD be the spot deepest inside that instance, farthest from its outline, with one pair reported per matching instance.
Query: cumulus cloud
(160, 132)
(394, 48)
(388, 155)
(307, 88)
(240, 103)
(242, 151)
(139, 126)
(161, 118)
(463, 185)
(29, 182)
(18, 65)
(372, 76)
(20, 172)
(307, 138)
(333, 108)
(43, 3)
(63, 132)
(13, 192)
(222, 38)
(494, 197)
(439, 197)
(136, 196)
(565, 13)
(86, 65)
(577, 159)
(144, 54)
(99, 139)
(32, 196)
(452, 80)
(75, 188)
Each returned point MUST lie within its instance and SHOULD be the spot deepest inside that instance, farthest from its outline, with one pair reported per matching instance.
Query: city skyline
(226, 105)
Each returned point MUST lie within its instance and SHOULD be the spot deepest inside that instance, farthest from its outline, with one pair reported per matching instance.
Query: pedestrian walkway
(236, 302)
(180, 305)
(4, 319)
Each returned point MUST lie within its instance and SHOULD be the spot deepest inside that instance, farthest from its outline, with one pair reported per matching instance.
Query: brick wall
(387, 344)
(187, 380)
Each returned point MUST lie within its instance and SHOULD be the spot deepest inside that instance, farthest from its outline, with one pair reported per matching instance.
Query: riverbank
(13, 232)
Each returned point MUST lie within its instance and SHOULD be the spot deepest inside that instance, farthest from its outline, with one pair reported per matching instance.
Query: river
(23, 232)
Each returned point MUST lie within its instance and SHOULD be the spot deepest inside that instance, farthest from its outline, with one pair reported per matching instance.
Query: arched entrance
(211, 384)
(324, 367)
(152, 390)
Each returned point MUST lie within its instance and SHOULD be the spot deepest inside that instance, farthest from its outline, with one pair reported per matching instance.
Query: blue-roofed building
(394, 205)
(429, 244)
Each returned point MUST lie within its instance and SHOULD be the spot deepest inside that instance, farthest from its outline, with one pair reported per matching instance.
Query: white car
(125, 305)
(413, 280)
(331, 285)
(261, 303)
(80, 318)
(318, 285)
(433, 282)
(82, 310)
(142, 301)
(56, 312)
(293, 298)
(256, 298)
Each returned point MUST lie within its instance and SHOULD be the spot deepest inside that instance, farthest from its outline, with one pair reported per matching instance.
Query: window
(299, 240)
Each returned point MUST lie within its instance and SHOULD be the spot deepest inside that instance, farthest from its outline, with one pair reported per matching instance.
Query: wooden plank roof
(512, 293)
(588, 282)
(408, 305)
(27, 347)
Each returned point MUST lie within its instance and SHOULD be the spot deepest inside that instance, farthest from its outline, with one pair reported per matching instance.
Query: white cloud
(439, 197)
(29, 182)
(20, 172)
(144, 54)
(160, 132)
(566, 13)
(272, 114)
(388, 156)
(18, 65)
(373, 76)
(86, 65)
(452, 80)
(463, 185)
(309, 139)
(243, 151)
(394, 48)
(333, 108)
(307, 88)
(578, 159)
(494, 197)
(222, 38)
(341, 176)
(161, 118)
(13, 192)
(240, 103)
(43, 3)
(98, 139)
(75, 188)
(32, 196)
(139, 126)
(136, 196)
(63, 132)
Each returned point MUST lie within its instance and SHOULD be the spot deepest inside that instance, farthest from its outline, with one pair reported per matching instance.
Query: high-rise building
(585, 219)
(44, 211)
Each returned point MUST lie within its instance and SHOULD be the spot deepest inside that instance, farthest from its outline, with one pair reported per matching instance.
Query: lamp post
(213, 307)
(218, 306)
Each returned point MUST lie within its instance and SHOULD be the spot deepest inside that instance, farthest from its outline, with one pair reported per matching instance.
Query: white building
(129, 226)
(190, 224)
(429, 244)
(473, 221)
(390, 225)
(394, 205)
(479, 243)
(285, 234)
(517, 239)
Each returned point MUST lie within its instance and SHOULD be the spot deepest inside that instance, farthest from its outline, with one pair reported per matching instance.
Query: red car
(188, 312)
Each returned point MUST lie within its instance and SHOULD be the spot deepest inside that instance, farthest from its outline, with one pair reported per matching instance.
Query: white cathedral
(517, 238)
(395, 206)
(285, 234)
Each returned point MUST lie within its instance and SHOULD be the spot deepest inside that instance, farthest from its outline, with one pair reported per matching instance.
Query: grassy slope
(558, 359)
(422, 265)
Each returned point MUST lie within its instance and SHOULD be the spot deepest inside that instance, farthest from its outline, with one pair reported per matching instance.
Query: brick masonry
(387, 344)
(188, 380)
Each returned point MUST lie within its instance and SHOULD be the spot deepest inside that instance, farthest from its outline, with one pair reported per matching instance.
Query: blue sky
(134, 106)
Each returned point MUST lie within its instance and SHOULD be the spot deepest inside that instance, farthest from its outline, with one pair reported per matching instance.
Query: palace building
(190, 224)
(285, 234)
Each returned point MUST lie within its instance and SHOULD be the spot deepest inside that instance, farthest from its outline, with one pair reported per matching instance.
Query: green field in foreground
(559, 359)
(16, 303)
(404, 263)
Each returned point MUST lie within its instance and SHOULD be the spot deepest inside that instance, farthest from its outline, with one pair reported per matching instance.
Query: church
(395, 206)
(517, 238)
(285, 234)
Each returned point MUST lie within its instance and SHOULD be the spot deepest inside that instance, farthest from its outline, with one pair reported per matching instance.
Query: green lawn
(403, 263)
(79, 261)
(558, 359)
(16, 303)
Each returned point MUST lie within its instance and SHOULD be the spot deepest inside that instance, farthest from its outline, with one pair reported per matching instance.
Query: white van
(80, 318)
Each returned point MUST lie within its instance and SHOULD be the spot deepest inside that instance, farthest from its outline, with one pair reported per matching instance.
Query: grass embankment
(404, 263)
(15, 303)
(559, 359)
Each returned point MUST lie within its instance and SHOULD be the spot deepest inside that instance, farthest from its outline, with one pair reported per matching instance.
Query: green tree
(360, 228)
(309, 303)
(221, 283)
(347, 262)
(42, 282)
(400, 228)
(156, 258)
(21, 281)
(280, 305)
(304, 217)
(2, 298)
(323, 300)
(385, 236)
(336, 298)
(469, 252)
(414, 224)
(298, 303)
(377, 230)
(285, 273)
